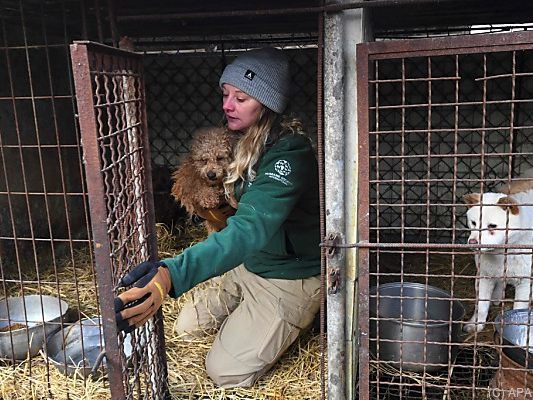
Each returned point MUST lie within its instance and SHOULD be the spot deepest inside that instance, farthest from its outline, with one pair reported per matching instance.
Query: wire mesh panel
(111, 106)
(446, 227)
(46, 266)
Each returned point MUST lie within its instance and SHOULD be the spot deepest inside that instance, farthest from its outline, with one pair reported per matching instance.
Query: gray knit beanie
(263, 74)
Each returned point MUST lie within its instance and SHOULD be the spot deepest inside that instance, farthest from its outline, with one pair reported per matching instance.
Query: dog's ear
(508, 203)
(177, 184)
(472, 198)
(233, 138)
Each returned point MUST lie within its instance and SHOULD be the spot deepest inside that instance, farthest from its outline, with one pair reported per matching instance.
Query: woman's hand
(151, 284)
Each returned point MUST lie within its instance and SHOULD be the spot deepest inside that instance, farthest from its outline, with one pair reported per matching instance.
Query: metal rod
(320, 151)
(363, 219)
(450, 130)
(32, 46)
(81, 171)
(330, 8)
(35, 97)
(465, 44)
(99, 22)
(369, 245)
(449, 104)
(161, 371)
(334, 185)
(83, 12)
(113, 22)
(356, 30)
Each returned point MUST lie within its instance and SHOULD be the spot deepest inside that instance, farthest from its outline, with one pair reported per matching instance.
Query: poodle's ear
(184, 188)
(233, 138)
(508, 203)
(178, 181)
(472, 198)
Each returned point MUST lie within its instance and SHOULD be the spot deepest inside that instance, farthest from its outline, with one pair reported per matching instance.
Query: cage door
(111, 108)
(440, 120)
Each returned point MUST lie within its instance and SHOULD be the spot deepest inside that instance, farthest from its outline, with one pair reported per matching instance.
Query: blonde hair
(250, 148)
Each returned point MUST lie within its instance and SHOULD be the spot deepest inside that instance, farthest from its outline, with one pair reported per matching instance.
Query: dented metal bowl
(515, 331)
(26, 322)
(79, 348)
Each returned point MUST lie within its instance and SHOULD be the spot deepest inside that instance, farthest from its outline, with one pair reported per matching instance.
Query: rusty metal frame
(363, 219)
(83, 55)
(87, 121)
(398, 49)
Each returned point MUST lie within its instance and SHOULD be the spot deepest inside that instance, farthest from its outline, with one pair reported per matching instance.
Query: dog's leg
(209, 197)
(499, 292)
(477, 322)
(522, 294)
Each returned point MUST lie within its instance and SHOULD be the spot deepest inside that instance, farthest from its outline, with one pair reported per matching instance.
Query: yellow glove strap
(160, 288)
(216, 216)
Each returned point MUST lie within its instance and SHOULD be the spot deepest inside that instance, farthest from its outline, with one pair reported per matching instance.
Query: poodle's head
(211, 153)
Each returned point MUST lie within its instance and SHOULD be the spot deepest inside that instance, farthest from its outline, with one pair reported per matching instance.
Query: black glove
(151, 283)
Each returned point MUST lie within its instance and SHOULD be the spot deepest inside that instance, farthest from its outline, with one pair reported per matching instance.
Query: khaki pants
(257, 318)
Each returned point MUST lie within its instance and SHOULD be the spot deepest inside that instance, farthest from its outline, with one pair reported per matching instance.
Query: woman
(269, 251)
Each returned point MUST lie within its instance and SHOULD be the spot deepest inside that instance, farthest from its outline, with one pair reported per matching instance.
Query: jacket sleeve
(264, 206)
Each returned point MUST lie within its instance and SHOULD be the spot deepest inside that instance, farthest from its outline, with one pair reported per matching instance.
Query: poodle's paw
(209, 202)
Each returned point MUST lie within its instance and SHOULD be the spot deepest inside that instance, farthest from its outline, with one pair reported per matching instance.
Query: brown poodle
(199, 177)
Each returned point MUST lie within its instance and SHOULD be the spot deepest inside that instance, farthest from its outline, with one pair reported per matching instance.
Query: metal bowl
(25, 323)
(79, 349)
(515, 333)
(414, 326)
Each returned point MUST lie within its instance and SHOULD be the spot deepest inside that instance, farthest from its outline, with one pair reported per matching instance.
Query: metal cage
(439, 119)
(75, 217)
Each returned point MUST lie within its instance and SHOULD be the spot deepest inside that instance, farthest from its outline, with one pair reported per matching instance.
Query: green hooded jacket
(275, 232)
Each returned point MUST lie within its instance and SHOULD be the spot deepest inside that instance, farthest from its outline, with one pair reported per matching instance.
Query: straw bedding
(296, 376)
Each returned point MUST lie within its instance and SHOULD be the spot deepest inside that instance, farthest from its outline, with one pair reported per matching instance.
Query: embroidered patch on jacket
(282, 167)
(249, 74)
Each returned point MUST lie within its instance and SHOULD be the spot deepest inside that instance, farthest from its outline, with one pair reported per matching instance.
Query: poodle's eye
(473, 223)
(220, 158)
(492, 226)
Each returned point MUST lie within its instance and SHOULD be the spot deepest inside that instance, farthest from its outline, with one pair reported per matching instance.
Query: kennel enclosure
(76, 217)
(427, 111)
(438, 119)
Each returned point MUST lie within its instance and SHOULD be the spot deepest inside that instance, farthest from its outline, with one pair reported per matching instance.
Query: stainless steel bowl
(515, 332)
(414, 326)
(79, 349)
(26, 321)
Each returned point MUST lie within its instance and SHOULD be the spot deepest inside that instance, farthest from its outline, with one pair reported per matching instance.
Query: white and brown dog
(501, 219)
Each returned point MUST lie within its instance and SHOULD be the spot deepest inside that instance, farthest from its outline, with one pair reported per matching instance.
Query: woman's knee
(227, 372)
(189, 322)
